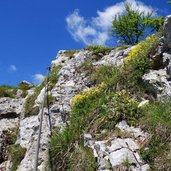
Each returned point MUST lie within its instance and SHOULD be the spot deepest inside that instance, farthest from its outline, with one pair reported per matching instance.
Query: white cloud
(12, 68)
(96, 30)
(38, 78)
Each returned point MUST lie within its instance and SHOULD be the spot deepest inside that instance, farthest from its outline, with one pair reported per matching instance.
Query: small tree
(130, 27)
(155, 23)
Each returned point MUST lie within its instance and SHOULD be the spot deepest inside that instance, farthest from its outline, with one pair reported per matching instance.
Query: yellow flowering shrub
(139, 61)
(88, 93)
(142, 48)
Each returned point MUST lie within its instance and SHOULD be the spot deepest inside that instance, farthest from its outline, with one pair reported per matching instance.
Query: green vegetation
(129, 75)
(70, 53)
(16, 153)
(108, 74)
(101, 107)
(130, 27)
(139, 60)
(10, 91)
(92, 111)
(29, 104)
(53, 77)
(98, 51)
(6, 91)
(157, 121)
(83, 159)
(155, 23)
(29, 108)
(11, 150)
(49, 100)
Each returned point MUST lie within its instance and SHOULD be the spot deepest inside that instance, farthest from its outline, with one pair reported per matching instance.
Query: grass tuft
(16, 153)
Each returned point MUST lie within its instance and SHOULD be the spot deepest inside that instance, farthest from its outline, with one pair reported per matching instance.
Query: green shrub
(16, 153)
(11, 136)
(157, 121)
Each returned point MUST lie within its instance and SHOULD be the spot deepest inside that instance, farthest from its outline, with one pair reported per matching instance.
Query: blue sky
(33, 31)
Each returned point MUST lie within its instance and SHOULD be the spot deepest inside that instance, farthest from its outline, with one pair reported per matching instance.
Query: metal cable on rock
(41, 120)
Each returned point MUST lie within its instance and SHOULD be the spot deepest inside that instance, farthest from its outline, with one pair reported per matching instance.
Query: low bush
(49, 100)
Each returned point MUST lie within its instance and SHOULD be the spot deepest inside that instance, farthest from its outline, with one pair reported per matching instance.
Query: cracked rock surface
(114, 152)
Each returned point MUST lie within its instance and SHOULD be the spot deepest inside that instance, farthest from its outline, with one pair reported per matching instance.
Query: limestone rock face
(167, 33)
(115, 57)
(159, 83)
(10, 108)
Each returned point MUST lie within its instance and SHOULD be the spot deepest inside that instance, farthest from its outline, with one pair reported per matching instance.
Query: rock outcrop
(112, 152)
(167, 34)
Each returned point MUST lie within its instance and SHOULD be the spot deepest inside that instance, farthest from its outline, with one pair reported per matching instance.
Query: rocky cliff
(112, 136)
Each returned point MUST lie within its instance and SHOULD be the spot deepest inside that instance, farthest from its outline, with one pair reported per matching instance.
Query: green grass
(29, 109)
(91, 115)
(50, 100)
(16, 153)
(6, 91)
(83, 160)
(157, 121)
(108, 74)
(53, 77)
(10, 91)
(105, 109)
(70, 53)
(97, 51)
